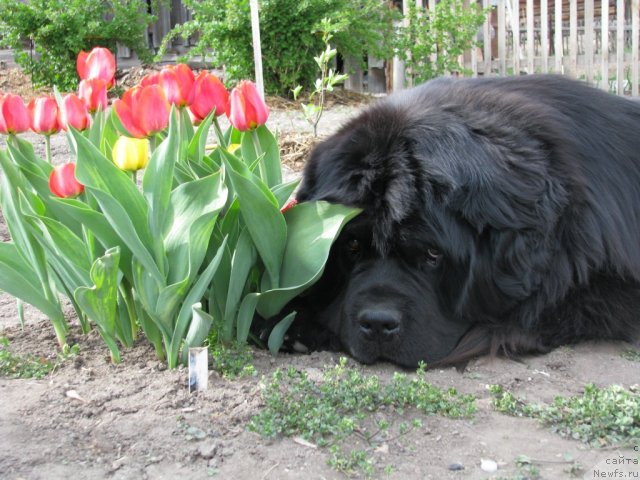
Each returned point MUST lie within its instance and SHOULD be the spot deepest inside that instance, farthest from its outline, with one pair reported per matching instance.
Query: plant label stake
(198, 369)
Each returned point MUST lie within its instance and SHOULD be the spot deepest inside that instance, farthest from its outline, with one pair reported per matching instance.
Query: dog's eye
(353, 246)
(433, 256)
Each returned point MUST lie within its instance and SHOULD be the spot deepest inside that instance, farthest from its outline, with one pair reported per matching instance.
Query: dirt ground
(90, 419)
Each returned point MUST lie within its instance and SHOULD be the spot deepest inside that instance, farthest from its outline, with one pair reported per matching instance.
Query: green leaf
(194, 296)
(100, 301)
(261, 213)
(270, 153)
(312, 228)
(124, 226)
(276, 337)
(197, 145)
(199, 328)
(97, 223)
(189, 220)
(244, 258)
(158, 179)
(119, 195)
(283, 191)
(18, 279)
(246, 313)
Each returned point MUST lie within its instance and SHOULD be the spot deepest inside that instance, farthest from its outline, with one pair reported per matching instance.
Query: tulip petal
(152, 109)
(127, 118)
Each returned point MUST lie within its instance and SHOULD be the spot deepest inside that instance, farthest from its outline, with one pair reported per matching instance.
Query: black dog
(500, 215)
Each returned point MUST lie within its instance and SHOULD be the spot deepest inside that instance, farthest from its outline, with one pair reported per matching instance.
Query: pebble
(487, 465)
(454, 467)
(208, 450)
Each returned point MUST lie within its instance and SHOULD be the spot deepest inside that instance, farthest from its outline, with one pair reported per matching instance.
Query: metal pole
(257, 49)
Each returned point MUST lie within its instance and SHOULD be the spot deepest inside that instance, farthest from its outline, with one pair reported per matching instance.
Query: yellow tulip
(131, 154)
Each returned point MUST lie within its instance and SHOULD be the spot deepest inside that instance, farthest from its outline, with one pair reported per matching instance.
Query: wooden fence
(592, 40)
(596, 40)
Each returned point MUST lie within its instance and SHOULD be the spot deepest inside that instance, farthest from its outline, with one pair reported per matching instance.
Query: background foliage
(432, 42)
(291, 35)
(62, 28)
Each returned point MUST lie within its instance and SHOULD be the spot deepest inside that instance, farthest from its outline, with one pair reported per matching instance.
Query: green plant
(231, 361)
(202, 243)
(329, 411)
(600, 416)
(434, 39)
(325, 83)
(60, 29)
(630, 354)
(30, 366)
(289, 33)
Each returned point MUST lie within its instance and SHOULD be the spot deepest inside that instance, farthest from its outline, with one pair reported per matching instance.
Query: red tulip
(44, 115)
(290, 204)
(143, 111)
(93, 91)
(175, 80)
(63, 183)
(246, 109)
(207, 93)
(74, 113)
(99, 63)
(14, 116)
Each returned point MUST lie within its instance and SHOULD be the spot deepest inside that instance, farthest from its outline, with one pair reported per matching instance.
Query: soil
(91, 419)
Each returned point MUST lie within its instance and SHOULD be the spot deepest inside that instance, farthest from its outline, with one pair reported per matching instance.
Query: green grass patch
(30, 366)
(598, 417)
(232, 361)
(630, 354)
(344, 403)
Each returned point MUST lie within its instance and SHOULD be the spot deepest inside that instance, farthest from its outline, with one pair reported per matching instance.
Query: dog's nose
(383, 325)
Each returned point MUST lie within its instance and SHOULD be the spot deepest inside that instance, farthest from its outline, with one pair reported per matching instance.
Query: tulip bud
(143, 111)
(290, 204)
(207, 93)
(93, 92)
(63, 183)
(131, 154)
(176, 81)
(14, 116)
(99, 63)
(73, 112)
(43, 112)
(246, 108)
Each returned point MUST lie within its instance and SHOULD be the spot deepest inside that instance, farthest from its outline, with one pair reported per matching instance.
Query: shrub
(432, 42)
(290, 32)
(61, 29)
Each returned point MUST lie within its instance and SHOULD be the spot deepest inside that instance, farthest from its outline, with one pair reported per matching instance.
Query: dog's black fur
(499, 214)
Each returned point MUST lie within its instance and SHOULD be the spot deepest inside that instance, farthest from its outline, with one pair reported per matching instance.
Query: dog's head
(456, 234)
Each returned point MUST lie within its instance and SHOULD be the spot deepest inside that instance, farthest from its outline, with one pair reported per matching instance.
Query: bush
(290, 32)
(432, 42)
(61, 29)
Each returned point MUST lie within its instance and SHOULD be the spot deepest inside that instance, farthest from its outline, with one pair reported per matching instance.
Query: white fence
(593, 40)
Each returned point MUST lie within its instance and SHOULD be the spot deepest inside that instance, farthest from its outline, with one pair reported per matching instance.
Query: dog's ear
(503, 190)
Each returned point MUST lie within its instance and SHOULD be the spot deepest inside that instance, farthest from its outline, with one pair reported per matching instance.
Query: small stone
(487, 465)
(454, 467)
(208, 450)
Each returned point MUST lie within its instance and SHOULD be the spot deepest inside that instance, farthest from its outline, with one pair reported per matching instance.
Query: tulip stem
(219, 134)
(47, 143)
(259, 155)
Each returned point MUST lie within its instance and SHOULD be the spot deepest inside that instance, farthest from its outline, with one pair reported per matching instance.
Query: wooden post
(604, 44)
(544, 34)
(573, 37)
(558, 41)
(589, 28)
(502, 35)
(257, 48)
(620, 47)
(635, 60)
(531, 50)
